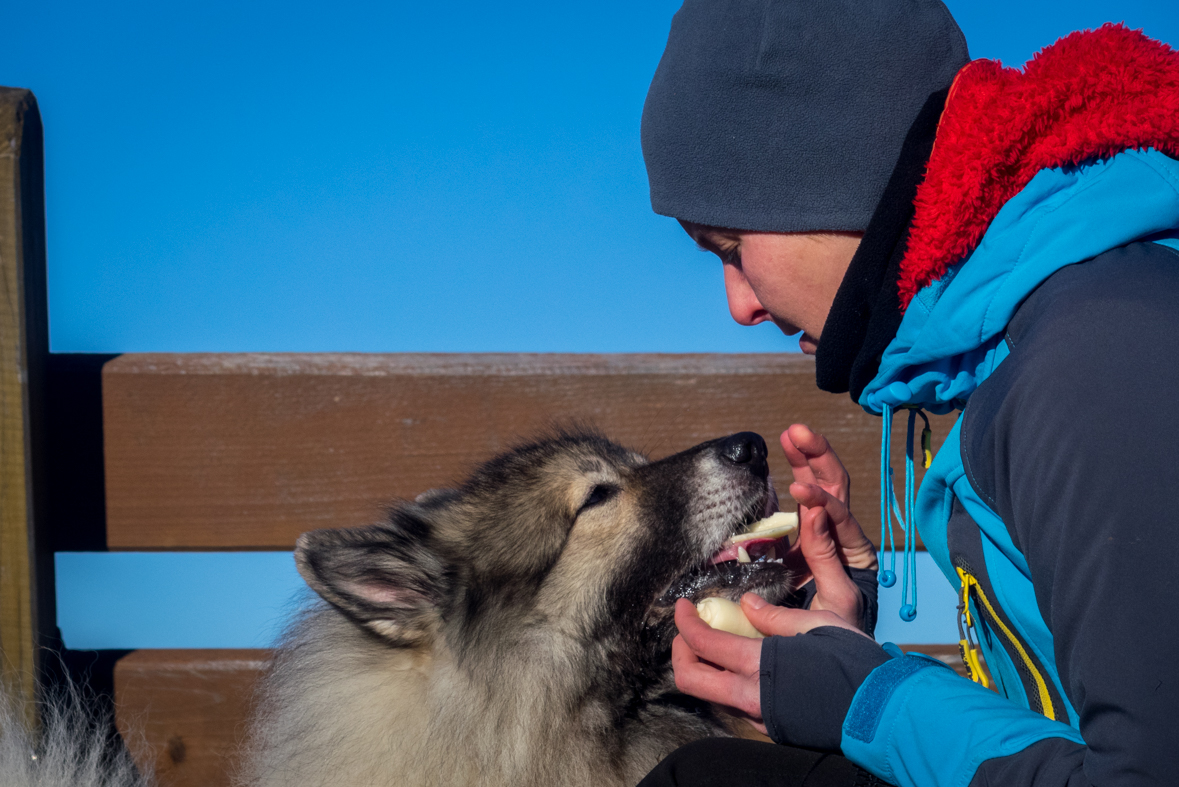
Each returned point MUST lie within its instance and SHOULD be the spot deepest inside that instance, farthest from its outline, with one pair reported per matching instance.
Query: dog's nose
(746, 448)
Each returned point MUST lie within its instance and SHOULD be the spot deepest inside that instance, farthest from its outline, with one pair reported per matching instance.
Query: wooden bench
(246, 451)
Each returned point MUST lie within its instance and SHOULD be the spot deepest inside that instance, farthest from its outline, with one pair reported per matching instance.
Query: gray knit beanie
(788, 115)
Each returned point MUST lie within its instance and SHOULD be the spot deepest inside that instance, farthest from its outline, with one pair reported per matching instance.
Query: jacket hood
(1090, 95)
(946, 342)
(1030, 171)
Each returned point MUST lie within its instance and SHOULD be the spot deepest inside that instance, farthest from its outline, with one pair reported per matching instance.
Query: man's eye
(599, 494)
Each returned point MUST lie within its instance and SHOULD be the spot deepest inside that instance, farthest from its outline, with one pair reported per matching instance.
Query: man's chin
(807, 344)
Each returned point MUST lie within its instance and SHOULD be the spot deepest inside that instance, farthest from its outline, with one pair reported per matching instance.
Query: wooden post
(23, 347)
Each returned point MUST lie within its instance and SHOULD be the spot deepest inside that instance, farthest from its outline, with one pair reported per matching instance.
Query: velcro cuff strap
(915, 722)
(868, 706)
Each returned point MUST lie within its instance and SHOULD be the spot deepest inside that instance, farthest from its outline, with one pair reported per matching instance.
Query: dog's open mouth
(750, 560)
(766, 539)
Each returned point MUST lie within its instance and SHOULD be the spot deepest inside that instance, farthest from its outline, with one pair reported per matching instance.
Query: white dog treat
(782, 523)
(722, 614)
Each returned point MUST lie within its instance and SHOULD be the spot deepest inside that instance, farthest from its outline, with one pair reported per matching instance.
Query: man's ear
(381, 577)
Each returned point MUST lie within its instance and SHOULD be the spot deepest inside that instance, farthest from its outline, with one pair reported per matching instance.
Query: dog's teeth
(742, 555)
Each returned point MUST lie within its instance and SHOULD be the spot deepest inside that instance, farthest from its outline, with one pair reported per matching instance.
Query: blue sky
(446, 176)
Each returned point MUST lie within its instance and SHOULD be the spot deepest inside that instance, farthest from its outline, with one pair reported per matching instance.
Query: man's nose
(744, 306)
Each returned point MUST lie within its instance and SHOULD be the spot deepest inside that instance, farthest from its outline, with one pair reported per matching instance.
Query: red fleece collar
(1092, 94)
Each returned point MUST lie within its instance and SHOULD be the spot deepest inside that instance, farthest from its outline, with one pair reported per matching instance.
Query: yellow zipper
(970, 650)
(967, 646)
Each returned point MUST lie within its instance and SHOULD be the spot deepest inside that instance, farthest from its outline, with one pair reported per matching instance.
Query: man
(947, 235)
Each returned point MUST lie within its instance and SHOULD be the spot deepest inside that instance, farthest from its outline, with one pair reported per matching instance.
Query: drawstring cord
(907, 519)
(888, 577)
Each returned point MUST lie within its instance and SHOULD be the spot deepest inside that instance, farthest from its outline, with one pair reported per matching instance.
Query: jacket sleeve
(916, 723)
(910, 720)
(807, 683)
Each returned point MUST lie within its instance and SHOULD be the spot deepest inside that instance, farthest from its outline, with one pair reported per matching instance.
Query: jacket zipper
(970, 649)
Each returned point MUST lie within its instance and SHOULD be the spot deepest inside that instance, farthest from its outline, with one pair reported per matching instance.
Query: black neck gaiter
(867, 312)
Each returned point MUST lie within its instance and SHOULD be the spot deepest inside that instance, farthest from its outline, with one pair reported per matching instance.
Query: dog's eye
(599, 494)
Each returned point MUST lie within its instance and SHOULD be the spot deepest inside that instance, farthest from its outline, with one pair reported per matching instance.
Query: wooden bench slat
(247, 451)
(184, 713)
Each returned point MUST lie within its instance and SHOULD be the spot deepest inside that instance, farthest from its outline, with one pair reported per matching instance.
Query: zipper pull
(967, 643)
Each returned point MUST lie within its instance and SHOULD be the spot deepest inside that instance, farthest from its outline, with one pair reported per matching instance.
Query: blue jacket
(915, 723)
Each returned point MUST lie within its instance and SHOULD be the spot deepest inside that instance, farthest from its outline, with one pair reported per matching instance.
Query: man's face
(790, 278)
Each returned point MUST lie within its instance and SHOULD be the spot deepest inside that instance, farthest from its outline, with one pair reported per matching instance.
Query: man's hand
(725, 668)
(829, 537)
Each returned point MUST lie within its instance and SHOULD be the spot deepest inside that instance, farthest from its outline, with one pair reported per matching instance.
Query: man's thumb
(832, 585)
(767, 618)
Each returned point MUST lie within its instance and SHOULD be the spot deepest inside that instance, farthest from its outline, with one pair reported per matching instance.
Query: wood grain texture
(183, 713)
(18, 251)
(209, 451)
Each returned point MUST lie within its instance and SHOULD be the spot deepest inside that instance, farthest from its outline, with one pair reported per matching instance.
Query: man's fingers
(813, 461)
(714, 665)
(771, 620)
(797, 459)
(853, 546)
(786, 622)
(815, 496)
(700, 679)
(834, 589)
(738, 654)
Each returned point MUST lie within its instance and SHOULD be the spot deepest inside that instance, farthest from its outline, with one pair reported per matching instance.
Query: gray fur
(69, 750)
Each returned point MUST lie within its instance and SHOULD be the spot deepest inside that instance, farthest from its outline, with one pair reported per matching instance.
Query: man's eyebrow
(704, 243)
(699, 236)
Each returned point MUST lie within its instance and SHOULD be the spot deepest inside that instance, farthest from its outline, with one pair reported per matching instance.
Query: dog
(513, 631)
(516, 630)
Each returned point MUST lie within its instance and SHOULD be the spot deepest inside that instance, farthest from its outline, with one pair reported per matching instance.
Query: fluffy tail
(71, 748)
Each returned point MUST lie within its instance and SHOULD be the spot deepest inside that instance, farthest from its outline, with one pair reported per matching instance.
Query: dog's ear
(382, 577)
(436, 496)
